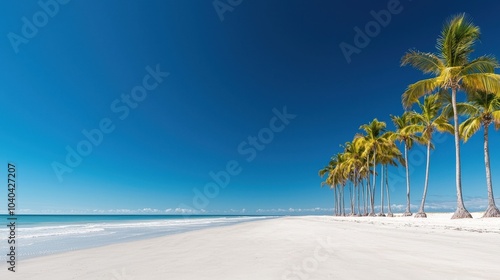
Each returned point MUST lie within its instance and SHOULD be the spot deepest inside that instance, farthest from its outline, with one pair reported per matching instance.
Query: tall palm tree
(328, 170)
(371, 142)
(336, 179)
(361, 161)
(354, 166)
(341, 178)
(390, 155)
(407, 138)
(453, 71)
(483, 110)
(348, 173)
(427, 122)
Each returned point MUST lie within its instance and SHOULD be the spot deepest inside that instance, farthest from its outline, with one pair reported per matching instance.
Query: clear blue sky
(225, 78)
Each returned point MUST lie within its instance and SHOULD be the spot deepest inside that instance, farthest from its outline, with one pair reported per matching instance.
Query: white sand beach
(302, 247)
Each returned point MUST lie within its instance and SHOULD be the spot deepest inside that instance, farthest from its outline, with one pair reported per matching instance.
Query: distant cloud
(188, 211)
(434, 204)
(316, 210)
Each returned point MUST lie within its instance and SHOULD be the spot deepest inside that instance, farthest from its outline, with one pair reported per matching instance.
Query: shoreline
(44, 236)
(292, 247)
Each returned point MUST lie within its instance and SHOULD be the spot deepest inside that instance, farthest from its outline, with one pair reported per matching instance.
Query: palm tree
(407, 138)
(453, 71)
(329, 181)
(364, 175)
(390, 155)
(358, 158)
(336, 181)
(370, 143)
(426, 123)
(354, 165)
(483, 110)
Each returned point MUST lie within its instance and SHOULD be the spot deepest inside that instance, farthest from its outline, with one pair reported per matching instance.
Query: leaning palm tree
(453, 72)
(329, 182)
(427, 122)
(407, 137)
(329, 171)
(483, 110)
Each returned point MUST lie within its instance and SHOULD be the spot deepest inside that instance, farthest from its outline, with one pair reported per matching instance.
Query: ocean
(39, 235)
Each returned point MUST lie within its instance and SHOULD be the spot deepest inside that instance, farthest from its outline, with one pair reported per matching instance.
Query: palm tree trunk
(351, 200)
(421, 212)
(372, 198)
(408, 211)
(359, 195)
(492, 210)
(381, 191)
(334, 201)
(355, 183)
(338, 200)
(369, 187)
(364, 199)
(389, 213)
(368, 195)
(367, 184)
(356, 196)
(461, 212)
(343, 201)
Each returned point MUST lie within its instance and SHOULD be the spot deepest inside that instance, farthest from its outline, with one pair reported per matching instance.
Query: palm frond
(469, 127)
(486, 82)
(413, 129)
(483, 64)
(425, 62)
(442, 125)
(444, 96)
(496, 119)
(457, 39)
(419, 89)
(467, 108)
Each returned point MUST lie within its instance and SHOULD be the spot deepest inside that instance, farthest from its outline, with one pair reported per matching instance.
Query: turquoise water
(39, 235)
(32, 220)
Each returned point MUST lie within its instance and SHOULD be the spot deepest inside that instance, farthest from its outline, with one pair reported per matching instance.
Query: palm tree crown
(451, 66)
